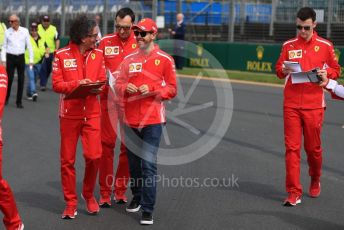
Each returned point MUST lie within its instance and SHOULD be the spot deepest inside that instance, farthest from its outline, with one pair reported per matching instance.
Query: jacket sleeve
(333, 69)
(279, 64)
(336, 90)
(168, 89)
(3, 89)
(59, 85)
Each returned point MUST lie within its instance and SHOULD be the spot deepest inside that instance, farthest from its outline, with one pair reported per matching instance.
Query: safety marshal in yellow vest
(2, 33)
(49, 34)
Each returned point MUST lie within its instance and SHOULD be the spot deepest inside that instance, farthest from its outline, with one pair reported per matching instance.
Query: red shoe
(292, 200)
(69, 212)
(92, 206)
(314, 188)
(105, 202)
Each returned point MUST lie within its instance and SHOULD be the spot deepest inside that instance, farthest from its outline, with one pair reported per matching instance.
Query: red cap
(146, 24)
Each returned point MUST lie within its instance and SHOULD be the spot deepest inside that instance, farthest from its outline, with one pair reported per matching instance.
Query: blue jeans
(46, 70)
(142, 148)
(32, 75)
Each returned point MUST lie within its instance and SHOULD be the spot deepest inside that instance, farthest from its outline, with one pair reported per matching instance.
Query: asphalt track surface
(251, 153)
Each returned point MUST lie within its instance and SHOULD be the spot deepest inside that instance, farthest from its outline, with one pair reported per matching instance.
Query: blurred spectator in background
(39, 51)
(16, 39)
(2, 33)
(51, 37)
(178, 33)
(98, 19)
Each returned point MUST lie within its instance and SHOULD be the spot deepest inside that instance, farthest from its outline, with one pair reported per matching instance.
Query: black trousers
(15, 62)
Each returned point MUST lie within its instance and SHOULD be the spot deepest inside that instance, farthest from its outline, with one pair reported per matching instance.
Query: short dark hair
(306, 13)
(80, 28)
(124, 12)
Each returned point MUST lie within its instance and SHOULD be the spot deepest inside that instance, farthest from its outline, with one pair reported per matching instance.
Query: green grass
(239, 75)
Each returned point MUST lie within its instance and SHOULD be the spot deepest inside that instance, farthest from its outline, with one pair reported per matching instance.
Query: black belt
(15, 55)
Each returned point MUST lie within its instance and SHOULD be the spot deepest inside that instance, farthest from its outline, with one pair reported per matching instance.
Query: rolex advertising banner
(243, 57)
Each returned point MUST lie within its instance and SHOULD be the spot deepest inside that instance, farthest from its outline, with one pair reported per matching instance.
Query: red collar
(313, 38)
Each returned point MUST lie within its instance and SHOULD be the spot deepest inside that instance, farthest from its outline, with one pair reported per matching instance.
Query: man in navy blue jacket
(178, 33)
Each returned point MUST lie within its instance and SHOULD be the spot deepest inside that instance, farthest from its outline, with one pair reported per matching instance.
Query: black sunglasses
(142, 33)
(11, 21)
(303, 27)
(125, 28)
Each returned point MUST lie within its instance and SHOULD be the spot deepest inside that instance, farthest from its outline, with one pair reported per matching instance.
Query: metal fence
(222, 20)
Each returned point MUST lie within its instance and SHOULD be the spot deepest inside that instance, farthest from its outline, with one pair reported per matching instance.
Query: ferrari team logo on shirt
(293, 54)
(69, 63)
(157, 62)
(133, 46)
(93, 56)
(135, 67)
(316, 48)
(111, 50)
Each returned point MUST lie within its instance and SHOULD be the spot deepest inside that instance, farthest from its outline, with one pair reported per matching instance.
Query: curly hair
(81, 27)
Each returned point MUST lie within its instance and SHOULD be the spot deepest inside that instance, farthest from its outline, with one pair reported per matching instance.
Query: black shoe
(43, 88)
(34, 96)
(20, 106)
(134, 206)
(146, 218)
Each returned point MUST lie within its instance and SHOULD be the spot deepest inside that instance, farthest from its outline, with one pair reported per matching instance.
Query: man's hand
(171, 31)
(324, 79)
(286, 70)
(144, 89)
(85, 81)
(96, 91)
(131, 88)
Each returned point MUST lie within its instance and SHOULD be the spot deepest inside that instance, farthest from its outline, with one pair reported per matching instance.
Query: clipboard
(84, 90)
(141, 96)
(304, 77)
(313, 76)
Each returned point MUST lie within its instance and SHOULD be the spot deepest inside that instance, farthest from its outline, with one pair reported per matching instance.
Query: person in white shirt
(98, 19)
(16, 40)
(332, 85)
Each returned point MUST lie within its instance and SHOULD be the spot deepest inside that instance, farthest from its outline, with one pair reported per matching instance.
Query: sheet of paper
(295, 66)
(112, 80)
(297, 78)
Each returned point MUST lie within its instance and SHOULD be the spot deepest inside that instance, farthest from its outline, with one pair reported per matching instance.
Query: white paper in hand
(111, 79)
(294, 66)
